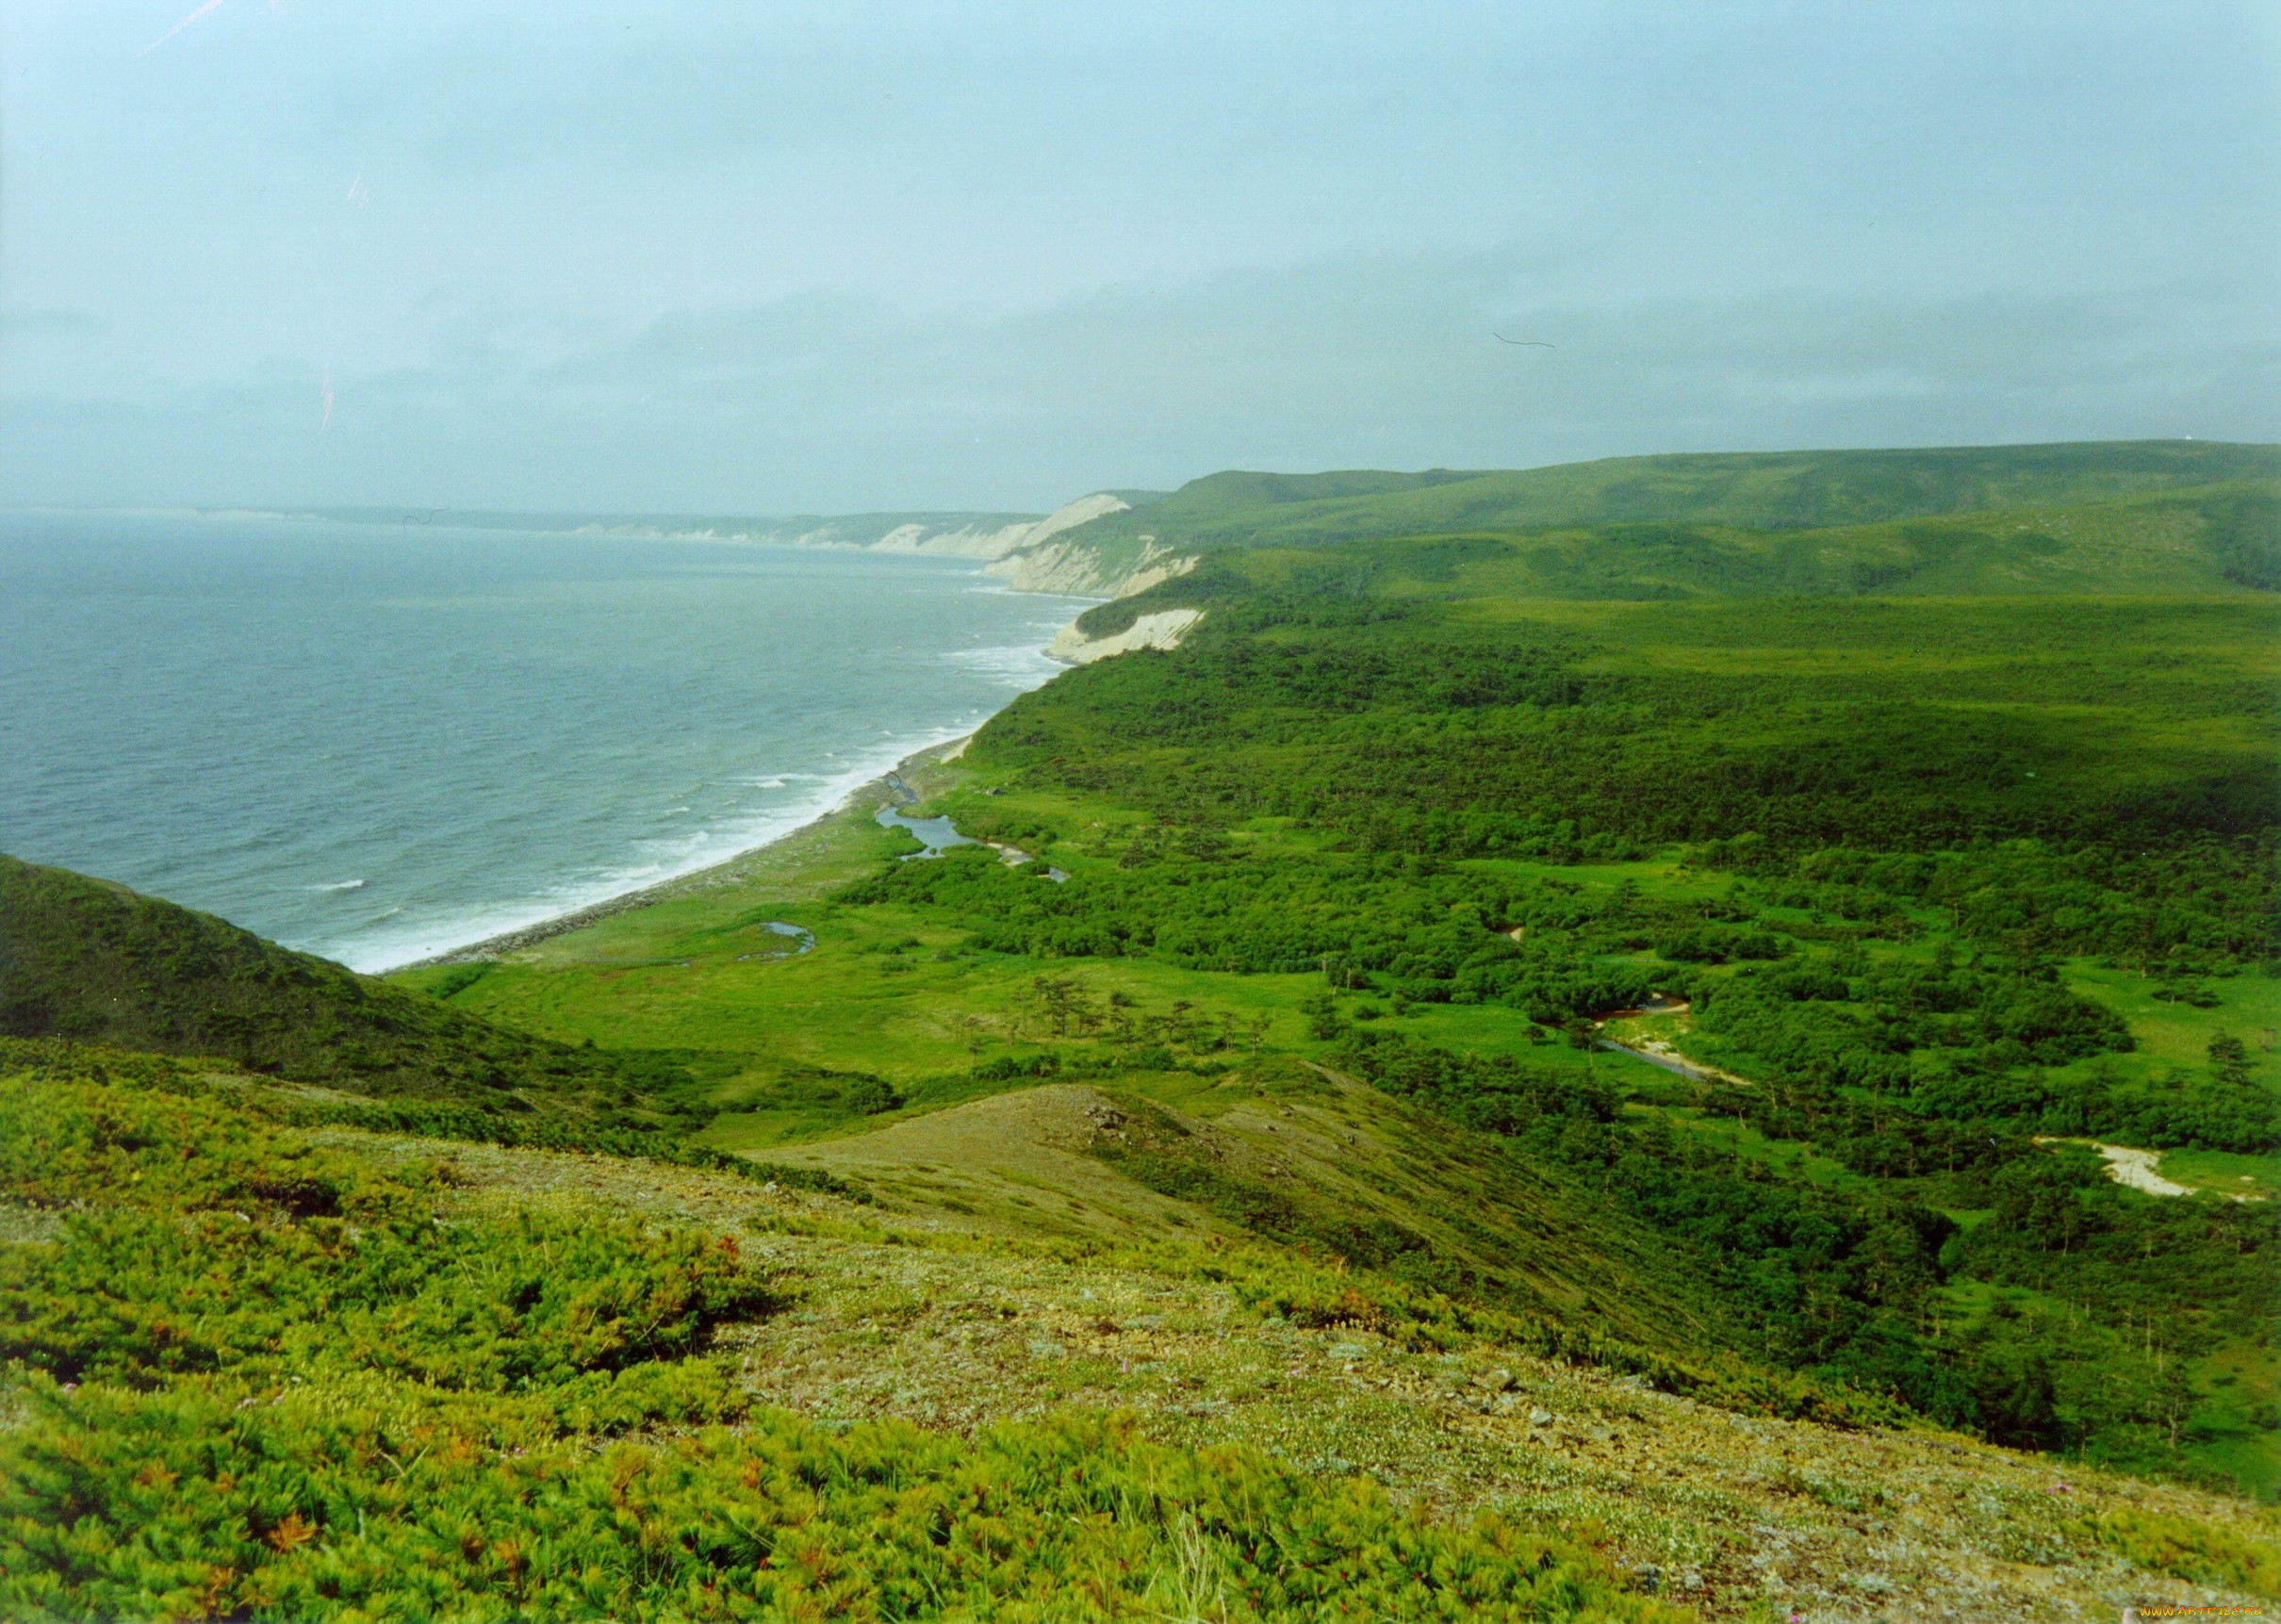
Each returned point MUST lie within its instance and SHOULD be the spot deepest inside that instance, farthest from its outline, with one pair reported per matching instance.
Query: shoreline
(505, 941)
(515, 939)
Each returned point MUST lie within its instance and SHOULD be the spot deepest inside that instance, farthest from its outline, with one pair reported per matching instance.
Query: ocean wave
(673, 858)
(1019, 664)
(477, 823)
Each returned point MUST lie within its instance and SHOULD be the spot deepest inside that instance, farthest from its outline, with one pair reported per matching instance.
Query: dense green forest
(1905, 829)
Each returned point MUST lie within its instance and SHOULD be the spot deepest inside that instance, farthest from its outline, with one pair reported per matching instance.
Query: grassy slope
(87, 959)
(1325, 1156)
(911, 1318)
(1245, 1477)
(263, 1374)
(2153, 543)
(891, 993)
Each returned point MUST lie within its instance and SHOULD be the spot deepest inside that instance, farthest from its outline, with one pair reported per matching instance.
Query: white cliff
(1162, 629)
(966, 541)
(1074, 568)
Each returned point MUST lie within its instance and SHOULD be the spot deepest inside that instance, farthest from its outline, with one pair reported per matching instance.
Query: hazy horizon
(928, 257)
(443, 517)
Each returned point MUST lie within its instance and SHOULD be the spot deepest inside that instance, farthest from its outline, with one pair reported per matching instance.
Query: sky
(772, 258)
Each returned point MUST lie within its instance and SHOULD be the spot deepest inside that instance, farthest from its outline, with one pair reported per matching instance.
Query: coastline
(373, 875)
(516, 938)
(527, 936)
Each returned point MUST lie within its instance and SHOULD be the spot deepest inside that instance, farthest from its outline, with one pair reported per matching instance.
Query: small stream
(1659, 1006)
(939, 834)
(1693, 1073)
(803, 940)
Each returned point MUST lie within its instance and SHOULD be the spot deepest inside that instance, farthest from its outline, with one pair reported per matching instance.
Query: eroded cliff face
(1075, 566)
(1029, 553)
(966, 541)
(1162, 630)
(982, 540)
(1070, 514)
(1057, 556)
(1060, 557)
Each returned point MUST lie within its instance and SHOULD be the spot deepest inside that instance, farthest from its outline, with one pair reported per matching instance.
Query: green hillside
(1805, 812)
(280, 1378)
(264, 1374)
(1774, 490)
(2203, 542)
(2222, 539)
(90, 960)
(1285, 1153)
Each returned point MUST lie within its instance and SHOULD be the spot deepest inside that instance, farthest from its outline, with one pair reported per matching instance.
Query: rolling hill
(1772, 490)
(2207, 541)
(92, 961)
(1117, 542)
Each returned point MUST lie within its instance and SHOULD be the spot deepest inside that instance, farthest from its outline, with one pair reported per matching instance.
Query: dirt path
(1658, 1053)
(2136, 1168)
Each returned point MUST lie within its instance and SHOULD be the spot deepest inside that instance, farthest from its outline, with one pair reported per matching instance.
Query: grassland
(2010, 866)
(1288, 1440)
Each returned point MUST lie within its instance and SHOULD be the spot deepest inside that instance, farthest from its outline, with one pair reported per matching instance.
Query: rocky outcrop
(1161, 630)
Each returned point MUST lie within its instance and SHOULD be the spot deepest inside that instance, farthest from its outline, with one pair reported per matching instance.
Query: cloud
(1398, 362)
(824, 402)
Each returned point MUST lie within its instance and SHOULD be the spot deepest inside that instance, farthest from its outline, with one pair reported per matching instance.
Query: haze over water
(380, 744)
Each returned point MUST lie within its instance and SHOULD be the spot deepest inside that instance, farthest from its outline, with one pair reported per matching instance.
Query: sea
(380, 743)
